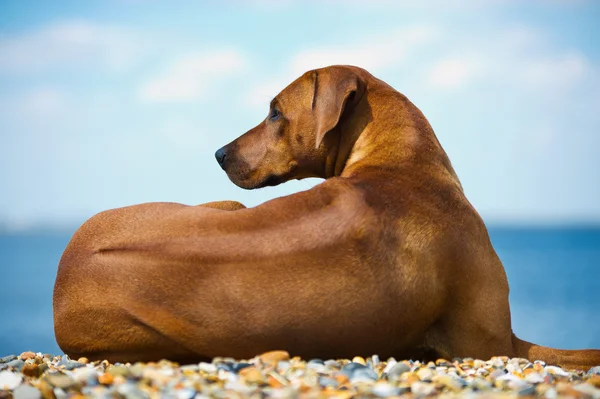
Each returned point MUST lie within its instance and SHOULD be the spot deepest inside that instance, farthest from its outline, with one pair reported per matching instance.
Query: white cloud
(564, 70)
(404, 4)
(374, 53)
(44, 101)
(261, 94)
(453, 72)
(516, 56)
(69, 45)
(189, 77)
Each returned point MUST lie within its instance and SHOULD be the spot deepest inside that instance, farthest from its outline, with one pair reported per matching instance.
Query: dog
(386, 256)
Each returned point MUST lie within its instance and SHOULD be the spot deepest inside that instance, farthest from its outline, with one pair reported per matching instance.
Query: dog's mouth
(247, 182)
(244, 177)
(271, 180)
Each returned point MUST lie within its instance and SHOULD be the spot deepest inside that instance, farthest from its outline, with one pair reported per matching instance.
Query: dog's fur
(386, 256)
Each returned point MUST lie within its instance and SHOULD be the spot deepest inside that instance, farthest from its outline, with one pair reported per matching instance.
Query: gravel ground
(276, 375)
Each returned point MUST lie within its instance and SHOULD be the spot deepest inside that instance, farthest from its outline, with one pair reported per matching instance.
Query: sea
(553, 272)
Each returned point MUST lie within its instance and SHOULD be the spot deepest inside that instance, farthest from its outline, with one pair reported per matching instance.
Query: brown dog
(386, 256)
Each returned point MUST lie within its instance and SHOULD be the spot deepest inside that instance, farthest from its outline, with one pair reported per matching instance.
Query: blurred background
(107, 103)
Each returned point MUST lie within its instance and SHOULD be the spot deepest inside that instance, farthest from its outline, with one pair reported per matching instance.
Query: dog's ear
(332, 89)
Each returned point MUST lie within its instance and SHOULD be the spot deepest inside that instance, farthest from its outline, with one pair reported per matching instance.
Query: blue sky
(110, 103)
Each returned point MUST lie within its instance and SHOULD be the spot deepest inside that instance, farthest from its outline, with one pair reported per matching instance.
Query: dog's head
(292, 142)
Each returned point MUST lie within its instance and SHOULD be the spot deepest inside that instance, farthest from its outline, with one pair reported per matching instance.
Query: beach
(278, 375)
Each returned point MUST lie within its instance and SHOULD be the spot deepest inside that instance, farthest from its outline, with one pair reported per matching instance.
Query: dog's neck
(360, 146)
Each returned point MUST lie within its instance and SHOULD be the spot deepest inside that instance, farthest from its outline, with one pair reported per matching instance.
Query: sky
(116, 102)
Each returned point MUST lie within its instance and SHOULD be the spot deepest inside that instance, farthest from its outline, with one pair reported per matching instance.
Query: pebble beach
(277, 375)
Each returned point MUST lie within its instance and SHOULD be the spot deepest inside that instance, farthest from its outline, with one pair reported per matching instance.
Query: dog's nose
(221, 154)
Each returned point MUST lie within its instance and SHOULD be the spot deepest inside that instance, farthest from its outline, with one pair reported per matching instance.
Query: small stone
(225, 366)
(43, 367)
(72, 365)
(16, 364)
(397, 370)
(390, 363)
(497, 373)
(588, 390)
(31, 370)
(241, 366)
(46, 389)
(359, 360)
(511, 368)
(84, 374)
(252, 375)
(425, 374)
(384, 389)
(131, 391)
(59, 380)
(594, 380)
(363, 375)
(276, 381)
(9, 380)
(83, 360)
(123, 371)
(409, 377)
(274, 356)
(420, 388)
(106, 378)
(319, 368)
(350, 368)
(481, 384)
(534, 378)
(59, 393)
(8, 358)
(557, 371)
(453, 383)
(27, 355)
(328, 382)
(137, 370)
(375, 360)
(25, 391)
(342, 379)
(526, 390)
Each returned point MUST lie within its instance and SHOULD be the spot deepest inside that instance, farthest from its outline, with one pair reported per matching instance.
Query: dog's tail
(583, 359)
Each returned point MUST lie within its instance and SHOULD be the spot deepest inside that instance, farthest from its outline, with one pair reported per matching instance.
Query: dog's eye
(274, 115)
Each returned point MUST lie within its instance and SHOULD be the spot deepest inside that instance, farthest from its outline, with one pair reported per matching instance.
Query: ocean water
(554, 274)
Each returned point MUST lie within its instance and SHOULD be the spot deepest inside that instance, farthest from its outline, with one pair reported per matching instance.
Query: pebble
(106, 378)
(277, 375)
(27, 355)
(422, 388)
(363, 375)
(359, 360)
(556, 371)
(425, 374)
(59, 380)
(274, 356)
(350, 368)
(252, 375)
(31, 370)
(16, 364)
(594, 370)
(9, 380)
(8, 358)
(397, 370)
(25, 391)
(384, 389)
